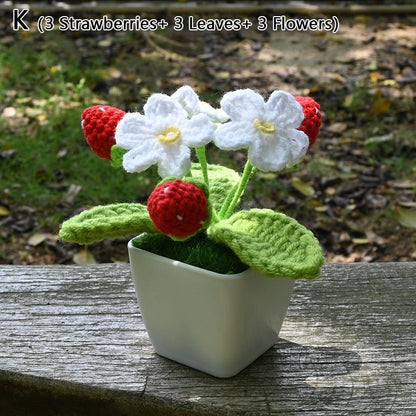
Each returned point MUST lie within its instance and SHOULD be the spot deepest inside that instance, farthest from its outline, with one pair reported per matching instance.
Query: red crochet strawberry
(99, 125)
(312, 121)
(178, 208)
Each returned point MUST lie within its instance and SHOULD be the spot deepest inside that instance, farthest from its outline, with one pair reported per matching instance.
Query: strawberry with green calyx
(99, 125)
(179, 209)
(313, 118)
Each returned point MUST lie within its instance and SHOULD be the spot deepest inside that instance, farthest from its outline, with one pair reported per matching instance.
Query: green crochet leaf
(271, 242)
(221, 181)
(117, 154)
(107, 221)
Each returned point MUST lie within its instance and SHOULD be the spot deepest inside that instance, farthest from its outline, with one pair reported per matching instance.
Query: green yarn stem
(200, 152)
(230, 203)
(228, 200)
(202, 157)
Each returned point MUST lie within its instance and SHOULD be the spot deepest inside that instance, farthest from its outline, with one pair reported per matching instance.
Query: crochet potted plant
(213, 283)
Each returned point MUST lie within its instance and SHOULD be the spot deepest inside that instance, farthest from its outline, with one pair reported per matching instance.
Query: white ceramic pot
(212, 322)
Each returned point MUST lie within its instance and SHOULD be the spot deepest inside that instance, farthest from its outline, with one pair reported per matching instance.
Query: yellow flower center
(170, 135)
(264, 126)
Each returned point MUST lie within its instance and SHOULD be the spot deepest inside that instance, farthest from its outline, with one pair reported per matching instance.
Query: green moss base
(199, 251)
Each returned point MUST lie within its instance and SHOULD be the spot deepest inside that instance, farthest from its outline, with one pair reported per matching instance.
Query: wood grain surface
(72, 342)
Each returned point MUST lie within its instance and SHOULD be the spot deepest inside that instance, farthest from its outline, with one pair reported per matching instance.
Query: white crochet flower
(189, 100)
(163, 136)
(269, 130)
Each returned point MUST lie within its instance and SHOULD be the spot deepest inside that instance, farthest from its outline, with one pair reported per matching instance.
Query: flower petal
(187, 98)
(269, 155)
(130, 129)
(217, 115)
(283, 149)
(299, 144)
(197, 131)
(282, 109)
(138, 159)
(235, 135)
(243, 105)
(174, 161)
(161, 105)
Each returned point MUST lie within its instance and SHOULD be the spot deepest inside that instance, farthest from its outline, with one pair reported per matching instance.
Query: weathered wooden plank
(72, 342)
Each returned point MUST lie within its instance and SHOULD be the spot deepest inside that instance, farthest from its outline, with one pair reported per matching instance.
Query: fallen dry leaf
(380, 104)
(4, 212)
(406, 217)
(37, 239)
(72, 193)
(338, 127)
(302, 187)
(84, 256)
(9, 112)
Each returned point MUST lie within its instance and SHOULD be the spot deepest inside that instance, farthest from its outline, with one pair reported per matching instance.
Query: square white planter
(212, 322)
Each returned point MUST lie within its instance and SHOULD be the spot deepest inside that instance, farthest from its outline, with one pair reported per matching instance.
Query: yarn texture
(221, 182)
(107, 221)
(121, 220)
(197, 202)
(268, 129)
(163, 135)
(199, 251)
(189, 101)
(313, 118)
(271, 242)
(99, 125)
(178, 208)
